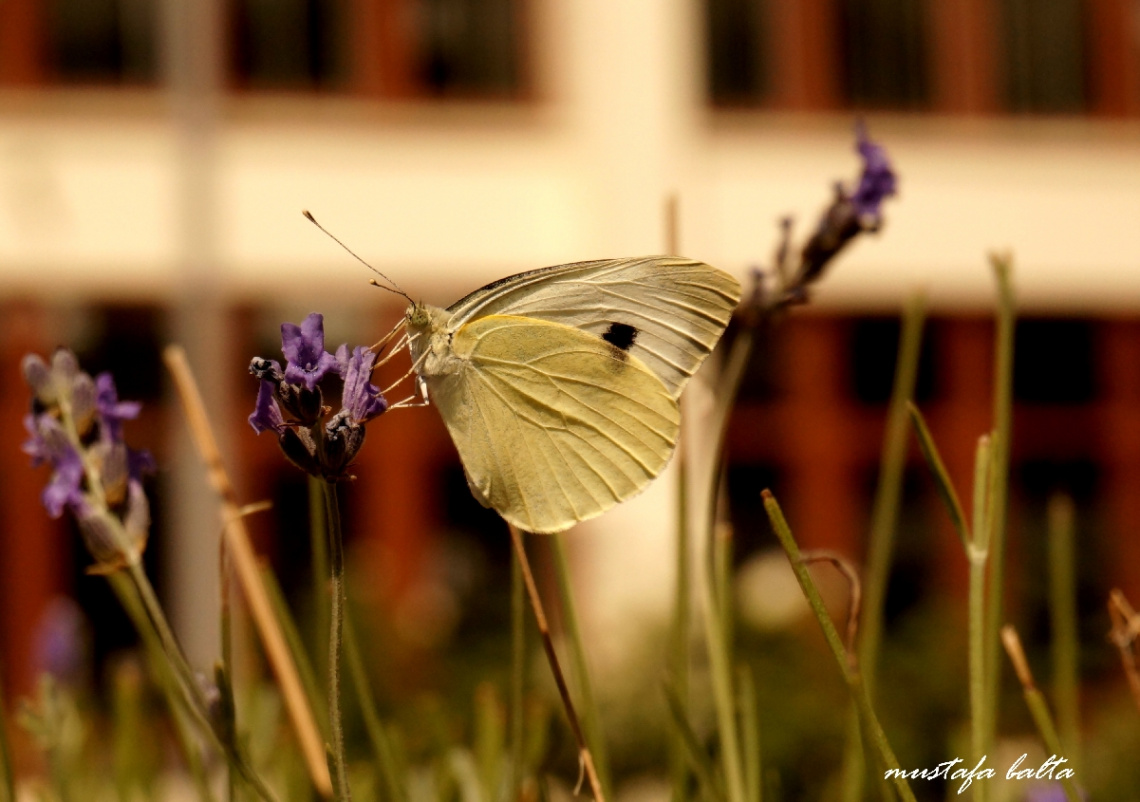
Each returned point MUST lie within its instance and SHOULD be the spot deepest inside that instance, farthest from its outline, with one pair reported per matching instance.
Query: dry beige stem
(246, 566)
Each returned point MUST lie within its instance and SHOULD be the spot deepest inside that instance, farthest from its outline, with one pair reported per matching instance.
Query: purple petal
(878, 180)
(63, 490)
(360, 398)
(304, 347)
(112, 411)
(266, 414)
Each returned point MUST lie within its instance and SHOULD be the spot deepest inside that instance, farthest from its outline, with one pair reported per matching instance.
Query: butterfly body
(560, 386)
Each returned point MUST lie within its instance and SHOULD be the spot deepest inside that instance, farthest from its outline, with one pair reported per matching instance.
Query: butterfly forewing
(666, 311)
(553, 425)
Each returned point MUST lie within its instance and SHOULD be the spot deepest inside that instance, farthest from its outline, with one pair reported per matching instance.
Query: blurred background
(155, 156)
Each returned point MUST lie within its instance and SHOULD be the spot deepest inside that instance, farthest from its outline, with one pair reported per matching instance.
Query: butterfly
(560, 386)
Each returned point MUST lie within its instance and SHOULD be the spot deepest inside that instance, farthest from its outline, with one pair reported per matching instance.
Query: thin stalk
(585, 758)
(695, 755)
(850, 672)
(245, 566)
(319, 553)
(884, 513)
(337, 604)
(591, 719)
(884, 517)
(196, 698)
(1003, 428)
(722, 578)
(720, 671)
(1125, 627)
(1063, 616)
(308, 675)
(682, 625)
(1038, 708)
(977, 556)
(176, 700)
(382, 748)
(717, 644)
(518, 679)
(750, 733)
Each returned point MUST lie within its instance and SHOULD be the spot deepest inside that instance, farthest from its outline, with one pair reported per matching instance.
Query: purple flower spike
(360, 398)
(112, 411)
(877, 182)
(266, 414)
(304, 349)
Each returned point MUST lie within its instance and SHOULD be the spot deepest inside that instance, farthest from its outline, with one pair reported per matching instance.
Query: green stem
(337, 603)
(977, 557)
(850, 672)
(750, 729)
(319, 551)
(679, 637)
(177, 702)
(1003, 430)
(719, 648)
(381, 744)
(192, 691)
(591, 722)
(1063, 615)
(1038, 708)
(518, 678)
(884, 516)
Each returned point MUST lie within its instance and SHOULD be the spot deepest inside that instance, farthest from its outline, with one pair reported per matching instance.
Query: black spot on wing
(620, 336)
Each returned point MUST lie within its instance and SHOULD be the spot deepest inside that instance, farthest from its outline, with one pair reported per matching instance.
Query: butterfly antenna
(394, 288)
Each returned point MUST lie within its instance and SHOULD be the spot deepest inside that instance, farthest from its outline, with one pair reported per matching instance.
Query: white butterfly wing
(667, 311)
(553, 425)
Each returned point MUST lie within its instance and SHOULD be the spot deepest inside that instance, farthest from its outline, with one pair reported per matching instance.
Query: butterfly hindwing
(553, 424)
(668, 311)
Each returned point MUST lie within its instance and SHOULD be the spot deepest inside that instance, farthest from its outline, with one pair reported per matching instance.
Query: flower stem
(1063, 613)
(518, 677)
(1035, 700)
(197, 703)
(336, 639)
(999, 482)
(586, 759)
(590, 719)
(858, 690)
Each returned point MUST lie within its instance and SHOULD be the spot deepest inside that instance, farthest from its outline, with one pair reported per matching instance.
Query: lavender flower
(307, 361)
(851, 212)
(76, 427)
(290, 402)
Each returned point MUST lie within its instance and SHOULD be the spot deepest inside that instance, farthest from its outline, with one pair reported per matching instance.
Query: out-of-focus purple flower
(62, 643)
(360, 397)
(1049, 792)
(307, 361)
(877, 182)
(65, 488)
(76, 427)
(850, 214)
(266, 415)
(112, 411)
(291, 403)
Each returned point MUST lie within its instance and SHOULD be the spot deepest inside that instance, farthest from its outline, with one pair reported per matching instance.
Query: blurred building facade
(154, 157)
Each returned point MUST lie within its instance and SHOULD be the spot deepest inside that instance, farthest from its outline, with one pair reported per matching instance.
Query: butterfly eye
(620, 336)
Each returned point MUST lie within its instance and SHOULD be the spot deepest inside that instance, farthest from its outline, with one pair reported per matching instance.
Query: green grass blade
(591, 718)
(1063, 618)
(942, 481)
(884, 518)
(999, 481)
(870, 722)
(698, 759)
